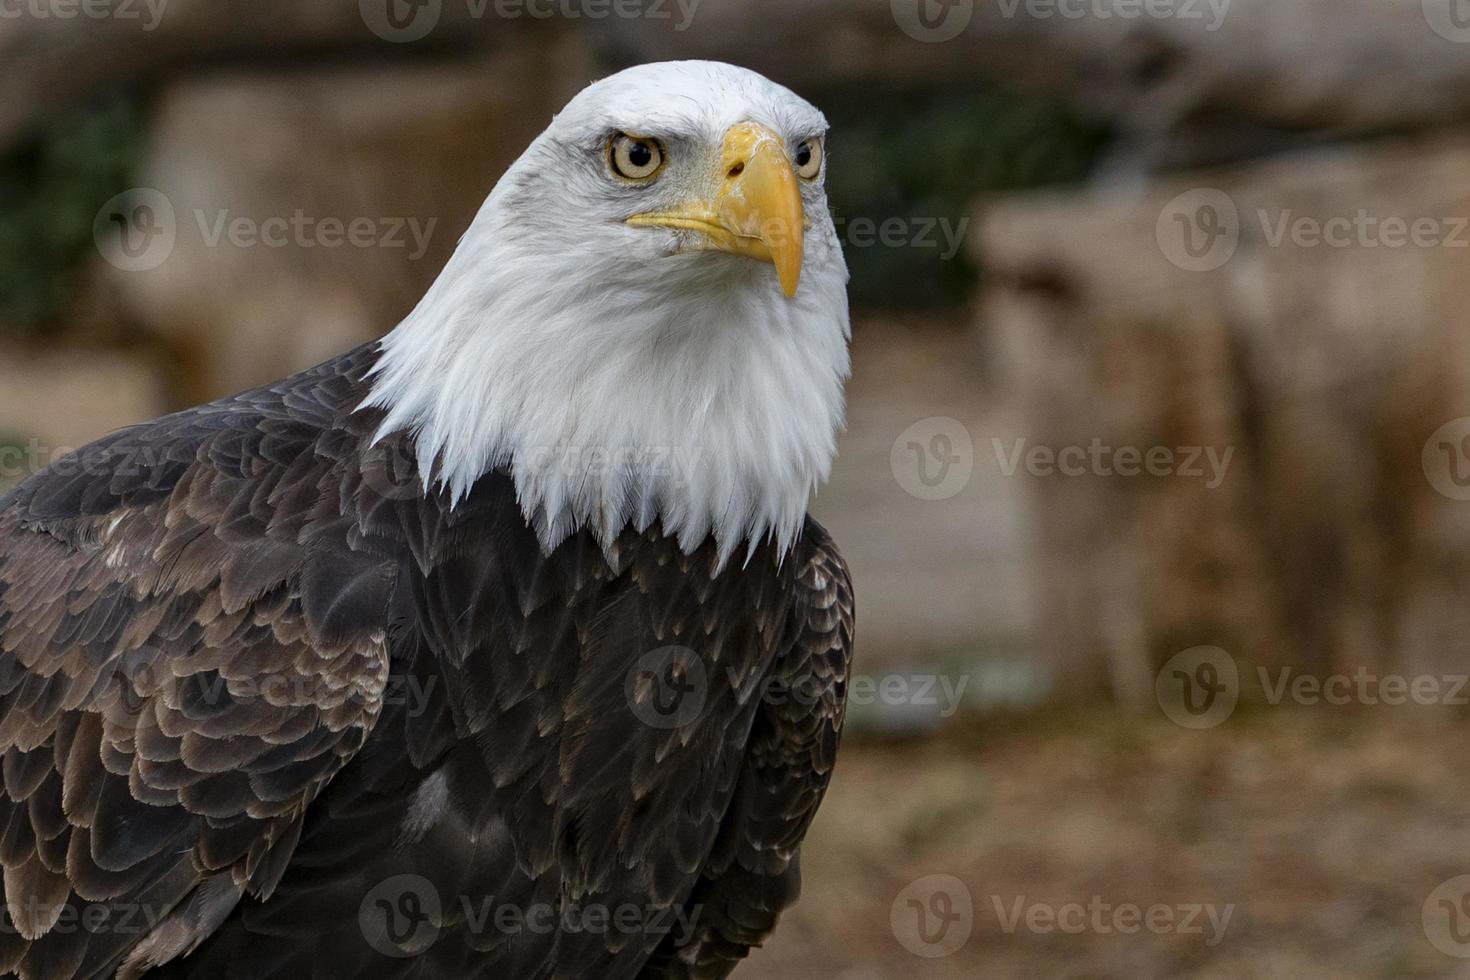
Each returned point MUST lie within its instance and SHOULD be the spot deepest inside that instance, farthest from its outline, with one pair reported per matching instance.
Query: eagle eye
(808, 159)
(635, 158)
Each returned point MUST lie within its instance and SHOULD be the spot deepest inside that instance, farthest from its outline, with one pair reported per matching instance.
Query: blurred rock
(940, 572)
(62, 399)
(285, 217)
(1186, 82)
(1314, 325)
(59, 53)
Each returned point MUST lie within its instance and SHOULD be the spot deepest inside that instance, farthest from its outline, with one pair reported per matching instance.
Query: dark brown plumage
(270, 709)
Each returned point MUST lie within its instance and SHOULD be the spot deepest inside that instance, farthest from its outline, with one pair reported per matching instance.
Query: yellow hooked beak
(755, 209)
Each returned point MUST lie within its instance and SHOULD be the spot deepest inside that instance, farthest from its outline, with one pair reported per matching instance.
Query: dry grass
(1326, 831)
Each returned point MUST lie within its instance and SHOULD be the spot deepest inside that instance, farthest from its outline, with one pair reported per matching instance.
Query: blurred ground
(1327, 831)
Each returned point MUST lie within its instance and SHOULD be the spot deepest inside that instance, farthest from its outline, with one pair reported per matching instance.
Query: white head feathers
(620, 373)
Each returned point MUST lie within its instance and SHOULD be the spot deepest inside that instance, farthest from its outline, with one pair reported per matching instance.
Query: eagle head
(647, 320)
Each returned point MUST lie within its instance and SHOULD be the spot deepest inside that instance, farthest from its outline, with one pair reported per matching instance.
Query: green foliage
(50, 191)
(927, 156)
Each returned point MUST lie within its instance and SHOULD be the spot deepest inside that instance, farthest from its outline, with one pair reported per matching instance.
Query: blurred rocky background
(1157, 480)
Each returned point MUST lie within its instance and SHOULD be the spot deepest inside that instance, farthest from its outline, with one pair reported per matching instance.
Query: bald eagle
(503, 647)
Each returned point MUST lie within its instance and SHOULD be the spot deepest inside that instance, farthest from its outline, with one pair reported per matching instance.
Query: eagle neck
(615, 403)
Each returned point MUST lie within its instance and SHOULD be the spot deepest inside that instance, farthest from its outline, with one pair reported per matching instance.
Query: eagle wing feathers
(753, 873)
(185, 661)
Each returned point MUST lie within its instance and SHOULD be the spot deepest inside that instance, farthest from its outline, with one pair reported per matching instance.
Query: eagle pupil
(639, 155)
(804, 155)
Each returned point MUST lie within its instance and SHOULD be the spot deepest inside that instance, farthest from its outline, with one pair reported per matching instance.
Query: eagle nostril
(738, 169)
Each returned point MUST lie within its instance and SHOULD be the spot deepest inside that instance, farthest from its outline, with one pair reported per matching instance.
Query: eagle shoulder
(190, 649)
